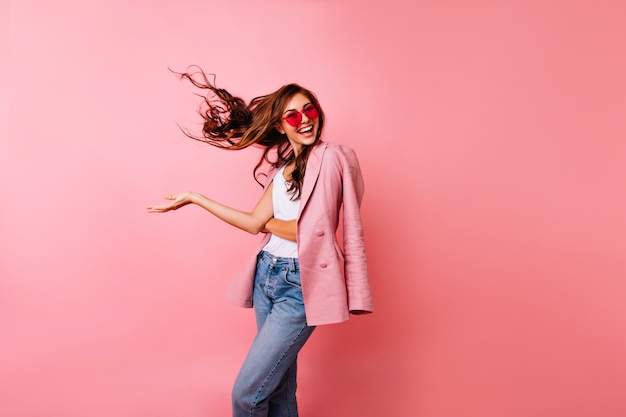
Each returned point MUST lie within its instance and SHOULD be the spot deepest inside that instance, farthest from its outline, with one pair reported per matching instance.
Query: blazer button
(323, 265)
(319, 233)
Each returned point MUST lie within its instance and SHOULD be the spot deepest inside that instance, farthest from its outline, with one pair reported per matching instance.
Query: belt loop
(292, 265)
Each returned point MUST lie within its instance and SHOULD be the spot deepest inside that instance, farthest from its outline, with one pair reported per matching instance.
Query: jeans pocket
(293, 279)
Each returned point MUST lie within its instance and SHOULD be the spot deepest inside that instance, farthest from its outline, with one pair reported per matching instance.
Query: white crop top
(284, 209)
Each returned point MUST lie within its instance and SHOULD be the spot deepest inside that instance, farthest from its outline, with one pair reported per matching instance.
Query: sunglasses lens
(311, 112)
(293, 118)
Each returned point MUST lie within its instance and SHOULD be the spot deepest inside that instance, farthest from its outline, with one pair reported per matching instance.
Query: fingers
(163, 209)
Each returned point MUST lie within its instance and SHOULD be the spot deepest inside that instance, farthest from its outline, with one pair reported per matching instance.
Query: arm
(282, 228)
(253, 222)
(356, 273)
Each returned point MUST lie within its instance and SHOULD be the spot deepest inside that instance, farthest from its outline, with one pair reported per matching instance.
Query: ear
(280, 129)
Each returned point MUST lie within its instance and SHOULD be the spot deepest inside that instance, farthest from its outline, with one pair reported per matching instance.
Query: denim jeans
(266, 384)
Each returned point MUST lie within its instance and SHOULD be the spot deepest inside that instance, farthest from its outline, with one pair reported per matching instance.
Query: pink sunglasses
(294, 117)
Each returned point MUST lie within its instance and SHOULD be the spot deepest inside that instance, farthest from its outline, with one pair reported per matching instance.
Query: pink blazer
(334, 281)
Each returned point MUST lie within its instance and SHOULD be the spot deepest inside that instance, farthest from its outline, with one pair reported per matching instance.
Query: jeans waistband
(292, 263)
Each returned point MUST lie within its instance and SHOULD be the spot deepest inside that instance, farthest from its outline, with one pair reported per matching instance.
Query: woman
(299, 277)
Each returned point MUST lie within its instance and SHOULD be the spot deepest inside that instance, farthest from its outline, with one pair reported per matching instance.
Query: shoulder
(270, 175)
(337, 147)
(337, 151)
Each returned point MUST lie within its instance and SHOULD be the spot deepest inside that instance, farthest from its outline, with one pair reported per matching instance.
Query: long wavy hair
(230, 123)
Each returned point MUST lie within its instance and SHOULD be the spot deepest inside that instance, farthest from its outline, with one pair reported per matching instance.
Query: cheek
(283, 127)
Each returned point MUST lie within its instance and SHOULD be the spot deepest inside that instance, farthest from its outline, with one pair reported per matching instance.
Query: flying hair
(229, 123)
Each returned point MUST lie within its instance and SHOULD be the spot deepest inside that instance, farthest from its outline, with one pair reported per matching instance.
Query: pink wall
(492, 138)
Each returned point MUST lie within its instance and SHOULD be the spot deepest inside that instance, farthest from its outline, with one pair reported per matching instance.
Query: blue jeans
(266, 384)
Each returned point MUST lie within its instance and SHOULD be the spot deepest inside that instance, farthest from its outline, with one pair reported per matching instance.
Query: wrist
(192, 197)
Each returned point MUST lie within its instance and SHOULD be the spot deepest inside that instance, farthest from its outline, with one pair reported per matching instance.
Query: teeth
(306, 130)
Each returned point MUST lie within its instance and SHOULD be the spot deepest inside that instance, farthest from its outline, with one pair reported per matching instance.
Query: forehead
(298, 101)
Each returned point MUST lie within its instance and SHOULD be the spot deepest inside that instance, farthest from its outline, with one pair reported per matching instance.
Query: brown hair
(230, 123)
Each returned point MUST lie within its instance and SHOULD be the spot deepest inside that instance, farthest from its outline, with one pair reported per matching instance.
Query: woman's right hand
(177, 201)
(250, 222)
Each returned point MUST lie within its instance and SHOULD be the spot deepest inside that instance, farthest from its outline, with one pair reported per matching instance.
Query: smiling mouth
(307, 129)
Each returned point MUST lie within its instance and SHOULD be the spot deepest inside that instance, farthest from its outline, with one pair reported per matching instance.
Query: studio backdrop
(492, 141)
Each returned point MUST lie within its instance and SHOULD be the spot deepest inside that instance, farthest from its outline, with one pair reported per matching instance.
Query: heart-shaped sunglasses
(294, 117)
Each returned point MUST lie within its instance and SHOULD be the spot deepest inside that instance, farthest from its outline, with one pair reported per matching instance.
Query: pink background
(492, 139)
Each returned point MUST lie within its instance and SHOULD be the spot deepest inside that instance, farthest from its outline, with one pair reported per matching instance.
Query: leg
(282, 402)
(266, 383)
(284, 397)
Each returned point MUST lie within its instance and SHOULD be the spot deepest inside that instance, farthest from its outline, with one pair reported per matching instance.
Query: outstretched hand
(177, 201)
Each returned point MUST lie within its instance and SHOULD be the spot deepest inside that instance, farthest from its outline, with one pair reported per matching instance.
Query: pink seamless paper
(492, 140)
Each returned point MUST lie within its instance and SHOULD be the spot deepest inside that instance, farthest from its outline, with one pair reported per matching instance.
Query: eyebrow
(288, 110)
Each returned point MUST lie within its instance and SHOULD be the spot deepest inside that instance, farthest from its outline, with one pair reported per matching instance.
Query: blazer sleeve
(355, 266)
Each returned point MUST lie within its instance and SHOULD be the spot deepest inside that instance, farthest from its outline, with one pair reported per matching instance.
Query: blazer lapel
(313, 166)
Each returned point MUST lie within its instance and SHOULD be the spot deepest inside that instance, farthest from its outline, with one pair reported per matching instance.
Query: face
(299, 132)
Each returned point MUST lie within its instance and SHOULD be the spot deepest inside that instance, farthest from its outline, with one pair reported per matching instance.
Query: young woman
(299, 277)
